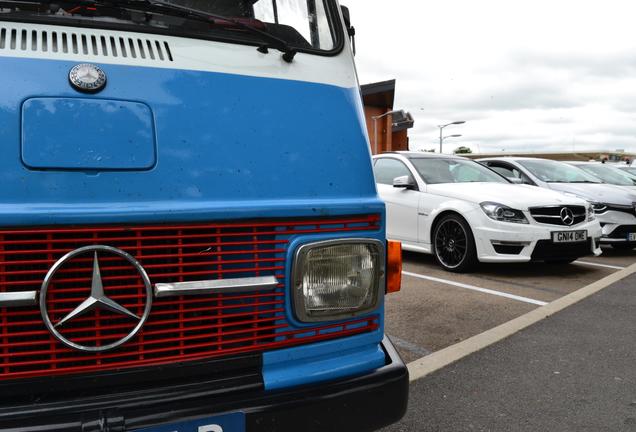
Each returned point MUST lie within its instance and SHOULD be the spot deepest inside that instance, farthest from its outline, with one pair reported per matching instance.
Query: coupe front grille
(546, 250)
(178, 328)
(622, 232)
(552, 215)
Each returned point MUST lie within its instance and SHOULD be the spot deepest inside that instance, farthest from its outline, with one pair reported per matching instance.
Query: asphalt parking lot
(436, 309)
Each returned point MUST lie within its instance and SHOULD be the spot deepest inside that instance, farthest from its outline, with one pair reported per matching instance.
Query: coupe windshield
(557, 172)
(302, 24)
(610, 175)
(629, 170)
(436, 171)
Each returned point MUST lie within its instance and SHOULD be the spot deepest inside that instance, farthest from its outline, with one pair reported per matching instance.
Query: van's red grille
(179, 328)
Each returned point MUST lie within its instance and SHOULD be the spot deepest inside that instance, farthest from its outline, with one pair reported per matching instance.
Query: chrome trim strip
(509, 243)
(554, 206)
(220, 286)
(22, 298)
(557, 216)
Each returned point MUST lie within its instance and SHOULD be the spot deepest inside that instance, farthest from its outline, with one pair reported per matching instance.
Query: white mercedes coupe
(464, 213)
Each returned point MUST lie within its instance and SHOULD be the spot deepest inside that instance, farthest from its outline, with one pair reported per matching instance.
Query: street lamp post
(450, 136)
(375, 127)
(442, 138)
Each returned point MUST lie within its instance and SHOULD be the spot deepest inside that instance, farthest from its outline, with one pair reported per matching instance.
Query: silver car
(614, 207)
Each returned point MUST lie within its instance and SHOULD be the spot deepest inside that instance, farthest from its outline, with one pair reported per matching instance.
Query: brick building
(390, 132)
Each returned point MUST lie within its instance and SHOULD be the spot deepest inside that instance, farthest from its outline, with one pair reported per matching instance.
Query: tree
(462, 150)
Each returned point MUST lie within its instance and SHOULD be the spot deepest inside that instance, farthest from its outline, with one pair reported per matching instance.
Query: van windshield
(302, 24)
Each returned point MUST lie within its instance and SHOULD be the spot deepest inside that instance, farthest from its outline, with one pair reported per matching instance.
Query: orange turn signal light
(393, 266)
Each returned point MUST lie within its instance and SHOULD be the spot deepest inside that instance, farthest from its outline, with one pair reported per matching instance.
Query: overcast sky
(524, 75)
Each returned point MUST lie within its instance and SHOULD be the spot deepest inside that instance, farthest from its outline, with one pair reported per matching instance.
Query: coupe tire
(454, 244)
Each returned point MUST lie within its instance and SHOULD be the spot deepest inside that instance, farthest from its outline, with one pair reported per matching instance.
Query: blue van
(190, 234)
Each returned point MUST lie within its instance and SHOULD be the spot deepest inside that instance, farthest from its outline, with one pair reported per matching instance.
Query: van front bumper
(362, 403)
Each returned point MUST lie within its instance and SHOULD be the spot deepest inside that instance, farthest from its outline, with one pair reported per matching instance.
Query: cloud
(541, 75)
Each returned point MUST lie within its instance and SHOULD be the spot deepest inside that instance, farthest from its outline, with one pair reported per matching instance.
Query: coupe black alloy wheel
(450, 243)
(454, 244)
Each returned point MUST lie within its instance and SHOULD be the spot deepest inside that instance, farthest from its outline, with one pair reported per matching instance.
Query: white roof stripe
(188, 54)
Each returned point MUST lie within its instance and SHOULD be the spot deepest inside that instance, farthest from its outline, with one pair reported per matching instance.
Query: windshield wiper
(166, 8)
(170, 8)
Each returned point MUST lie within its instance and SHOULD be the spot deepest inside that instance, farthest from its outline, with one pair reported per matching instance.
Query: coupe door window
(509, 171)
(388, 169)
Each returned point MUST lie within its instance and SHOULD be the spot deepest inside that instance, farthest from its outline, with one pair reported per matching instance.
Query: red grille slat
(194, 356)
(183, 236)
(114, 355)
(371, 220)
(146, 256)
(162, 246)
(152, 266)
(179, 328)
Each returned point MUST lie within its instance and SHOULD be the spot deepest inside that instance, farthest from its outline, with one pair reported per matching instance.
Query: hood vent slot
(95, 45)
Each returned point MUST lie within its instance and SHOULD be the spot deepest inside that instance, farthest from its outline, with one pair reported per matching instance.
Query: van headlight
(337, 279)
(502, 213)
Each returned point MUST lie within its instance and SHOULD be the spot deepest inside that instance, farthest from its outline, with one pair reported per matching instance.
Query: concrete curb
(431, 363)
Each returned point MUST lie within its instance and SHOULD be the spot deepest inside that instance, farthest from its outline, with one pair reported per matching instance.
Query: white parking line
(439, 359)
(599, 265)
(474, 288)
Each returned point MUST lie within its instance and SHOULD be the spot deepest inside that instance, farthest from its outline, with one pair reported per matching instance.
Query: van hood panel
(221, 141)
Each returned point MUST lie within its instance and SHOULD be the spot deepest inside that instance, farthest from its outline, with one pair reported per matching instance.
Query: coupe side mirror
(515, 180)
(404, 182)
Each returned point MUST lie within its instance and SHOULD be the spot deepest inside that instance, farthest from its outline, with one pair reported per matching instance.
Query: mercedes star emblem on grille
(87, 78)
(567, 216)
(98, 299)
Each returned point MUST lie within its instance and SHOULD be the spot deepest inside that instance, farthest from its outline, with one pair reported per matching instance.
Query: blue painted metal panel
(323, 361)
(87, 134)
(227, 146)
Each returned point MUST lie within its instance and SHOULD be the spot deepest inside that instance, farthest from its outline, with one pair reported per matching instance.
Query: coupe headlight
(502, 213)
(599, 208)
(337, 279)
